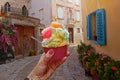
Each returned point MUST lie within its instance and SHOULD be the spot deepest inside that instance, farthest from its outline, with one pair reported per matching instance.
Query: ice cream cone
(59, 52)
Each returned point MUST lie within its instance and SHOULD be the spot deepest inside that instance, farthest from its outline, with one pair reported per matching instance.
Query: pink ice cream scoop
(46, 33)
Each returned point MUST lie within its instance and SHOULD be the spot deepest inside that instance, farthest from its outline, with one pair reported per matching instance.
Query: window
(41, 11)
(70, 16)
(77, 15)
(7, 7)
(41, 31)
(96, 31)
(78, 30)
(70, 1)
(24, 11)
(77, 2)
(60, 12)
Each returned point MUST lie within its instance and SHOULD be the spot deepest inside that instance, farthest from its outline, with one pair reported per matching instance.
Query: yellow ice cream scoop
(54, 42)
(63, 43)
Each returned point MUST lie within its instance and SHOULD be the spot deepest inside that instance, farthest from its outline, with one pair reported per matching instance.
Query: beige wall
(65, 4)
(112, 24)
(42, 10)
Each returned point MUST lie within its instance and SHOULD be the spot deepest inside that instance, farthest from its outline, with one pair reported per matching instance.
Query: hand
(45, 67)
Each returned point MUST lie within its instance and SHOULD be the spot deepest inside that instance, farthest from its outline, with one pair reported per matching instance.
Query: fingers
(48, 55)
(68, 53)
(45, 58)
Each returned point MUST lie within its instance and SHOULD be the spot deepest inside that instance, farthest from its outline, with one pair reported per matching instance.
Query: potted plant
(100, 66)
(84, 50)
(32, 52)
(80, 48)
(112, 71)
(8, 39)
(102, 62)
(92, 65)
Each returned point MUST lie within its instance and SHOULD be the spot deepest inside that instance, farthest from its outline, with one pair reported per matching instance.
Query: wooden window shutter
(89, 27)
(101, 31)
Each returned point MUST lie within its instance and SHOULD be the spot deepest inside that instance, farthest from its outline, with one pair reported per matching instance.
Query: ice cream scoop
(55, 37)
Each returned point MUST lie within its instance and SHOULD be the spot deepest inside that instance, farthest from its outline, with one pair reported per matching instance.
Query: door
(71, 40)
(25, 43)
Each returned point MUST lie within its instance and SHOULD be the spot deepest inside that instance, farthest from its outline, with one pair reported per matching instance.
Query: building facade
(101, 25)
(17, 12)
(67, 12)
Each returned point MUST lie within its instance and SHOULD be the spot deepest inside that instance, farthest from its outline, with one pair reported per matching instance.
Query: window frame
(24, 11)
(60, 12)
(77, 2)
(70, 1)
(41, 13)
(77, 14)
(100, 27)
(7, 7)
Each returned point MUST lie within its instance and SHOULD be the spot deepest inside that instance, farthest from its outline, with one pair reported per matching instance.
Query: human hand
(45, 67)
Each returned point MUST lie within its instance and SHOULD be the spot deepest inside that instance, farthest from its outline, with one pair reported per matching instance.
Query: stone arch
(7, 7)
(24, 11)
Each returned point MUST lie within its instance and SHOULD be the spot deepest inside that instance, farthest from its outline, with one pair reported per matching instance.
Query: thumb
(49, 55)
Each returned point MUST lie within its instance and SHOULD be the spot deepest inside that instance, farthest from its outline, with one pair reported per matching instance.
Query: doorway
(71, 35)
(25, 43)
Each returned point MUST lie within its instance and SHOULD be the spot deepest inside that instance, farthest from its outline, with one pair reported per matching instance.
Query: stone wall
(16, 3)
(23, 20)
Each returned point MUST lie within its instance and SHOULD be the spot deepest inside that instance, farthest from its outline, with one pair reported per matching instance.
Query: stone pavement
(19, 69)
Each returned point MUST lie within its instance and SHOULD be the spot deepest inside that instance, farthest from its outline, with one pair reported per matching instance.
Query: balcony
(18, 14)
(15, 11)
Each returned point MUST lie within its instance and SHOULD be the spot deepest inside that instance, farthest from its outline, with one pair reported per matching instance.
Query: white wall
(36, 5)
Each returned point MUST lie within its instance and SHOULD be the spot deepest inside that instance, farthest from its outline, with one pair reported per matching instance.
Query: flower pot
(87, 72)
(94, 75)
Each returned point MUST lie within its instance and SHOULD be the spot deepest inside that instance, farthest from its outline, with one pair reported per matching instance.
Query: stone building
(67, 12)
(17, 12)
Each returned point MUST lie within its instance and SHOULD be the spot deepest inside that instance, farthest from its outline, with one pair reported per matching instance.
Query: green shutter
(101, 31)
(89, 27)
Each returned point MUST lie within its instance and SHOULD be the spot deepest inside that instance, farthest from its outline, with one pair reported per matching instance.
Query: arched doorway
(71, 35)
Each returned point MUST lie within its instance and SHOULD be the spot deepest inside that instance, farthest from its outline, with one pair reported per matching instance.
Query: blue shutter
(89, 27)
(101, 31)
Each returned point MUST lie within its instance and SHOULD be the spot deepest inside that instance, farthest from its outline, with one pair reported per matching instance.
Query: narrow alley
(18, 70)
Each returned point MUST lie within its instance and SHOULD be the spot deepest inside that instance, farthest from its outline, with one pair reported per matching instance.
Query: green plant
(83, 51)
(101, 65)
(8, 39)
(112, 71)
(82, 47)
(92, 59)
(41, 52)
(102, 62)
(32, 52)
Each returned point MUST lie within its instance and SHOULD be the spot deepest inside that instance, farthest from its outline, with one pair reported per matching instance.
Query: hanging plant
(8, 39)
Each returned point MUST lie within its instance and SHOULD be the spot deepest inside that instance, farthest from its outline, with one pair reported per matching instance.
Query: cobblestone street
(19, 69)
